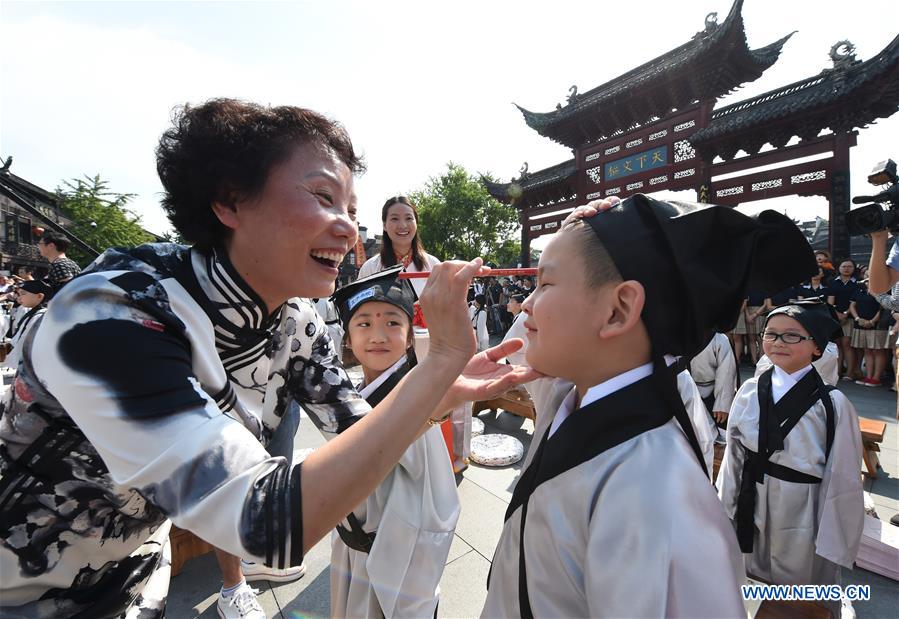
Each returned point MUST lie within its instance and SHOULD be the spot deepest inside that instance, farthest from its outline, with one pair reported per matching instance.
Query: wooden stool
(792, 609)
(872, 435)
(185, 546)
(515, 401)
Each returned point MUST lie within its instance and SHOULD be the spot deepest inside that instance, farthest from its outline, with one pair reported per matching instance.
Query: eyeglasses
(786, 338)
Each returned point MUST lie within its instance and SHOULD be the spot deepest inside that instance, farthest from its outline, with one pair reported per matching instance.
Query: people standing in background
(527, 286)
(53, 246)
(25, 273)
(756, 308)
(822, 257)
(495, 310)
(477, 313)
(401, 243)
(870, 335)
(32, 297)
(839, 294)
(815, 288)
(714, 370)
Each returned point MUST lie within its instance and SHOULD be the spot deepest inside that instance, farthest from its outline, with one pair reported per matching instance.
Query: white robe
(703, 425)
(803, 532)
(20, 330)
(414, 510)
(715, 372)
(619, 535)
(478, 321)
(828, 365)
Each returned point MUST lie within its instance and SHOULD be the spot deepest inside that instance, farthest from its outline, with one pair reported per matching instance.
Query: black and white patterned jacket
(146, 393)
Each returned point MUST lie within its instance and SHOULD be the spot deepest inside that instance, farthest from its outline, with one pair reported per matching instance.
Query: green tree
(459, 219)
(101, 217)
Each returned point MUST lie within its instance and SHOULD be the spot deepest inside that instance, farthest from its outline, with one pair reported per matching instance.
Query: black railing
(22, 250)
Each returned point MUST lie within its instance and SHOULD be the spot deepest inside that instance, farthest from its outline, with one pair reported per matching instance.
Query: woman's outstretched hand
(485, 378)
(445, 307)
(592, 208)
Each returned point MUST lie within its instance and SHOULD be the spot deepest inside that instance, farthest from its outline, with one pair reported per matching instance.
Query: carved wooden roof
(553, 183)
(850, 95)
(714, 62)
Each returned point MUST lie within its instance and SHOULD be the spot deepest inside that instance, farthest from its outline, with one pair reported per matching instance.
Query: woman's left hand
(484, 377)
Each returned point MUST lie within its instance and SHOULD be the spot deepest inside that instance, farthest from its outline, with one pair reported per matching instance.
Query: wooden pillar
(839, 242)
(525, 240)
(703, 168)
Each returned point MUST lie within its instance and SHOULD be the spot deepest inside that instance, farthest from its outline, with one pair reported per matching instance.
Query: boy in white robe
(790, 475)
(614, 506)
(388, 555)
(715, 372)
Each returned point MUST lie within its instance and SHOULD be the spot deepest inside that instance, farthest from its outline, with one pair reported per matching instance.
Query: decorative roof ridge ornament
(572, 94)
(842, 54)
(6, 165)
(711, 22)
(522, 173)
(847, 56)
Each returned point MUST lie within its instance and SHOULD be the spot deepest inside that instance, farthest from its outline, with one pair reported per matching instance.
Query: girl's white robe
(414, 510)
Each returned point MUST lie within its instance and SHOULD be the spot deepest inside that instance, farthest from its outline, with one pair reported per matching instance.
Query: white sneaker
(242, 604)
(258, 571)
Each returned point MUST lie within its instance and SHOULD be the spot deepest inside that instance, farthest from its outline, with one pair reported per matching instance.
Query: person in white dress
(388, 555)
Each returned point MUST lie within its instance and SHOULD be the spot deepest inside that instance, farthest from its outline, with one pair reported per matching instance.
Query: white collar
(601, 390)
(367, 390)
(782, 382)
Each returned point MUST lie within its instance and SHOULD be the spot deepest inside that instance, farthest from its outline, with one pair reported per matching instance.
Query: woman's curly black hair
(222, 151)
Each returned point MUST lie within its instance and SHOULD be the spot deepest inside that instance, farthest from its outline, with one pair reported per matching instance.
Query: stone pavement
(484, 495)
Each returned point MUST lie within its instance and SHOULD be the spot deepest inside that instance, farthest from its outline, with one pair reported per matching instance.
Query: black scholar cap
(696, 262)
(384, 286)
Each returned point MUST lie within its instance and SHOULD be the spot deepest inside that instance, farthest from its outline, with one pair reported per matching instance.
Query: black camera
(883, 213)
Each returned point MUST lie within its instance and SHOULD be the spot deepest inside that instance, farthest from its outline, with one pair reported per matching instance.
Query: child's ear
(624, 306)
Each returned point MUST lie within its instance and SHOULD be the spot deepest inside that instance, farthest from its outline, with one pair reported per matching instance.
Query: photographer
(882, 275)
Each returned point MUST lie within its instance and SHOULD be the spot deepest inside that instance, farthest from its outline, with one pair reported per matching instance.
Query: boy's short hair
(223, 150)
(599, 269)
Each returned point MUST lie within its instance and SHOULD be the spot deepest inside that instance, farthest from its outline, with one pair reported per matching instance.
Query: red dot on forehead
(378, 314)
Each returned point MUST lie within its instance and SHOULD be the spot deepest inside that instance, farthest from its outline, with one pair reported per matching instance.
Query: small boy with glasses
(790, 475)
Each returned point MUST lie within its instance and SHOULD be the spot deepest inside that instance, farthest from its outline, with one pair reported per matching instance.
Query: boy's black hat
(384, 286)
(696, 262)
(36, 286)
(816, 317)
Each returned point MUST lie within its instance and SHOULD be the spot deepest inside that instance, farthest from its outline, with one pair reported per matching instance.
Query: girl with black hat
(388, 554)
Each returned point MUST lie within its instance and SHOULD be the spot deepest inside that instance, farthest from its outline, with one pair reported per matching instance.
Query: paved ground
(484, 494)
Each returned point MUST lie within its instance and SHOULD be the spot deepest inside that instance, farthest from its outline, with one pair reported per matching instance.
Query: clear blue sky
(87, 87)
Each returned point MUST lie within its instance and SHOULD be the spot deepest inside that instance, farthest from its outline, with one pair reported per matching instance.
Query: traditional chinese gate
(655, 128)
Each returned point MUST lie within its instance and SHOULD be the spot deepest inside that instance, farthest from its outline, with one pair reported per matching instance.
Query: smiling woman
(160, 381)
(401, 243)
